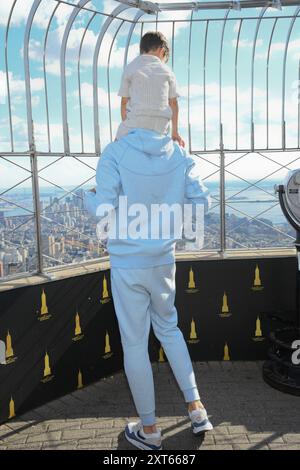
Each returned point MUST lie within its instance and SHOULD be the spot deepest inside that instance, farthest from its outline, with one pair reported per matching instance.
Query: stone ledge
(101, 264)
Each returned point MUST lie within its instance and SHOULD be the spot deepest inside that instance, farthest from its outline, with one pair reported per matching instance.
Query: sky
(250, 167)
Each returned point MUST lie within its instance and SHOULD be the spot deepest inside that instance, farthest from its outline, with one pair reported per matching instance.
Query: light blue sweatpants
(143, 297)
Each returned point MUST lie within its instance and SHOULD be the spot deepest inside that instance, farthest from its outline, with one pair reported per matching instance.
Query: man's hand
(176, 137)
(93, 190)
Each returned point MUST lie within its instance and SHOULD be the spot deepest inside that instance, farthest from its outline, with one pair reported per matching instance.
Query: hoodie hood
(150, 153)
(150, 142)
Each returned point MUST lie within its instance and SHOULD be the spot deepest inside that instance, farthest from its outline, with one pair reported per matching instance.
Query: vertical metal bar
(235, 84)
(33, 155)
(252, 74)
(138, 15)
(173, 25)
(156, 20)
(37, 210)
(7, 76)
(189, 81)
(76, 9)
(267, 80)
(220, 73)
(27, 74)
(79, 80)
(222, 195)
(204, 85)
(108, 77)
(298, 98)
(284, 75)
(104, 28)
(45, 75)
(142, 29)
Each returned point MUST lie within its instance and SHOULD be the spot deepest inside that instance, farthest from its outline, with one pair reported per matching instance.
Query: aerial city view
(68, 231)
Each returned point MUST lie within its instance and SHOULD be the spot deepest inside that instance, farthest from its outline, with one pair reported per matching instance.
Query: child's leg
(131, 302)
(121, 131)
(164, 321)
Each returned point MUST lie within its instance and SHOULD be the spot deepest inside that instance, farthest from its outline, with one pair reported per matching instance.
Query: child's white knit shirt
(149, 84)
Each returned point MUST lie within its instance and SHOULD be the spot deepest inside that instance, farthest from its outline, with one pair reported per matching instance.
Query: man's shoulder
(114, 150)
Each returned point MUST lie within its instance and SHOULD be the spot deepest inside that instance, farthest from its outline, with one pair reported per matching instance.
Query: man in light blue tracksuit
(144, 169)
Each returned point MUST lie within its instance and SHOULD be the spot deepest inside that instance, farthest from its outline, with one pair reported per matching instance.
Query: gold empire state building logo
(47, 370)
(44, 314)
(257, 285)
(225, 312)
(79, 380)
(191, 288)
(11, 409)
(258, 336)
(105, 295)
(226, 356)
(193, 339)
(9, 352)
(107, 348)
(78, 333)
(161, 355)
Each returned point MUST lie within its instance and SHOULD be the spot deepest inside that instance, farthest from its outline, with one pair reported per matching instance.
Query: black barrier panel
(63, 335)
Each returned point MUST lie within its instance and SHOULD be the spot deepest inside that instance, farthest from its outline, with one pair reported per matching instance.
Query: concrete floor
(246, 413)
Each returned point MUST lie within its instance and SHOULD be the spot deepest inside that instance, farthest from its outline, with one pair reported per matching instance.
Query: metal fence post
(222, 194)
(36, 205)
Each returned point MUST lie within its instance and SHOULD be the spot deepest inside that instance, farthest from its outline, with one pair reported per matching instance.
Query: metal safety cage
(237, 65)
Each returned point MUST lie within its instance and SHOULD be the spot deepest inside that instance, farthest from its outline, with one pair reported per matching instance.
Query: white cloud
(87, 54)
(42, 16)
(87, 96)
(293, 50)
(246, 43)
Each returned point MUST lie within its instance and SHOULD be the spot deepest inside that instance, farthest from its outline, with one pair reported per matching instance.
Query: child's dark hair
(152, 41)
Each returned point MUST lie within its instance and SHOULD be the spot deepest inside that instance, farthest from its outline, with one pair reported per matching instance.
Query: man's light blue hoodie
(150, 169)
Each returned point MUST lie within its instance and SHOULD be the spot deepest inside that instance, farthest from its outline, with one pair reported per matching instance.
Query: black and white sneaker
(135, 435)
(200, 422)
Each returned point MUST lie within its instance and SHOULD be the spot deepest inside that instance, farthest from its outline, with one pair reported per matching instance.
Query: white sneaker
(135, 435)
(200, 422)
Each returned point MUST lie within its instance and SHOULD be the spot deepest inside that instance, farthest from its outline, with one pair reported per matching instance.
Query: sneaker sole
(203, 429)
(139, 444)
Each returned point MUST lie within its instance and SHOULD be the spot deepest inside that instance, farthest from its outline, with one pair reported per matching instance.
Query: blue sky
(251, 169)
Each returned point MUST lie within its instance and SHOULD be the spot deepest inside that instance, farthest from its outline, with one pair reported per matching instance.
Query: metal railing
(253, 42)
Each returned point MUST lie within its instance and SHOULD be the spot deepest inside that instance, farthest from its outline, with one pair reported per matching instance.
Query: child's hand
(176, 137)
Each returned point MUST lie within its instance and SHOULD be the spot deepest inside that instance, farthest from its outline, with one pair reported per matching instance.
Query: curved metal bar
(284, 74)
(220, 71)
(108, 76)
(32, 13)
(298, 98)
(263, 11)
(142, 29)
(173, 44)
(222, 153)
(267, 80)
(45, 75)
(79, 80)
(189, 80)
(7, 76)
(138, 15)
(204, 85)
(235, 83)
(76, 10)
(90, 10)
(104, 28)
